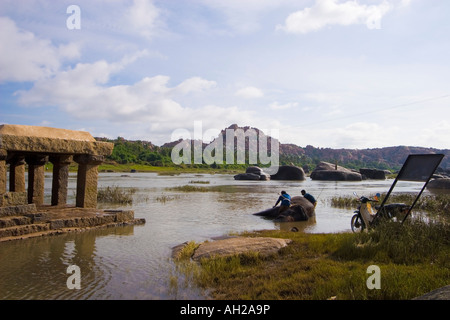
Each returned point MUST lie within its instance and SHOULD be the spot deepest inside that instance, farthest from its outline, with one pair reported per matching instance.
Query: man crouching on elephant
(285, 202)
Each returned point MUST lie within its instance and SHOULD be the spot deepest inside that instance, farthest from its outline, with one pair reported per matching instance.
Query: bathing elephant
(300, 210)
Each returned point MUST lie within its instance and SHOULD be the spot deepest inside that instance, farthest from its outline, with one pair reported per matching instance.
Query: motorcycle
(365, 216)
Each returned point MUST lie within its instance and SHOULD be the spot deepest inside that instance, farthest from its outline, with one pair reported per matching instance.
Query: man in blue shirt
(310, 198)
(285, 201)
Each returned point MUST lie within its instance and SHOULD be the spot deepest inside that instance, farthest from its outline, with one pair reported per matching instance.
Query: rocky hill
(391, 158)
(380, 158)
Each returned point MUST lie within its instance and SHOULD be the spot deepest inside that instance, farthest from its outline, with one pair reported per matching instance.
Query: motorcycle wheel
(357, 223)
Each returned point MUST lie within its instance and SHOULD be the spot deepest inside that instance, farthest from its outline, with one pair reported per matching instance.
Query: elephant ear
(300, 213)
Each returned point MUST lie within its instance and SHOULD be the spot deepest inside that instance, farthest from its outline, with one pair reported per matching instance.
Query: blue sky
(327, 73)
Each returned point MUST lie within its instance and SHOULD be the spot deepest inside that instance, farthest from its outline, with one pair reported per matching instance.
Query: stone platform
(25, 221)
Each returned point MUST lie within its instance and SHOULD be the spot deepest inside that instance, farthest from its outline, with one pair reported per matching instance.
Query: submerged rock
(247, 176)
(289, 173)
(252, 173)
(443, 184)
(374, 174)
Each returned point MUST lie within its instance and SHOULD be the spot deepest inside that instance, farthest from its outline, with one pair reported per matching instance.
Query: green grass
(193, 188)
(199, 182)
(165, 198)
(116, 195)
(163, 170)
(413, 259)
(189, 188)
(344, 202)
(436, 204)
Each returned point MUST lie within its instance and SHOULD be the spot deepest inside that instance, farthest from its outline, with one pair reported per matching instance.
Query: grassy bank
(413, 259)
(124, 168)
(163, 170)
(435, 204)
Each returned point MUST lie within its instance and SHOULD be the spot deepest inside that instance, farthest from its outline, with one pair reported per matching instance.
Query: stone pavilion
(29, 148)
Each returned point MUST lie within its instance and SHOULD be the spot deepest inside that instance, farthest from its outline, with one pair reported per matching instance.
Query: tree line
(146, 153)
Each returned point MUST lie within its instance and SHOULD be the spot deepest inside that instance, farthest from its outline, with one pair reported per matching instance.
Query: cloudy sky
(328, 73)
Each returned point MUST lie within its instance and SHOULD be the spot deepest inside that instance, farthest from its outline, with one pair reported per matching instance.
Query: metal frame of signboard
(417, 167)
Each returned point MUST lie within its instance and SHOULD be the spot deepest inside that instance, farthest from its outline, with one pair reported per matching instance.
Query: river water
(133, 262)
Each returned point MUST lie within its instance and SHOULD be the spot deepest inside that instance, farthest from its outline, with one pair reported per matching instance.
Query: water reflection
(297, 226)
(36, 268)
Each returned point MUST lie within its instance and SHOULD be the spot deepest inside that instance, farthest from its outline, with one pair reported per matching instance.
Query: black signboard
(420, 167)
(417, 167)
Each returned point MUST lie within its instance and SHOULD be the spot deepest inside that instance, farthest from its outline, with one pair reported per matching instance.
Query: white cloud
(250, 93)
(195, 84)
(405, 3)
(25, 57)
(435, 135)
(333, 111)
(357, 135)
(276, 106)
(143, 16)
(83, 92)
(331, 12)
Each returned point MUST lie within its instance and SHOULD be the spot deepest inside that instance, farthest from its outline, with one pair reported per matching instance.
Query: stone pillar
(3, 155)
(60, 178)
(16, 173)
(87, 179)
(36, 176)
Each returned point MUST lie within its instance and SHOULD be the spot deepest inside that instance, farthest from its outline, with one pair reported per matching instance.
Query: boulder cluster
(333, 172)
(283, 173)
(327, 171)
(441, 180)
(439, 183)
